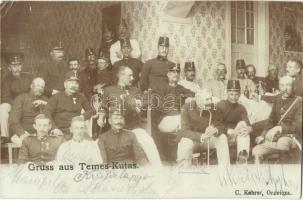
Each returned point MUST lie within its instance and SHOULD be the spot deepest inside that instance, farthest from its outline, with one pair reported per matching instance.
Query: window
(242, 22)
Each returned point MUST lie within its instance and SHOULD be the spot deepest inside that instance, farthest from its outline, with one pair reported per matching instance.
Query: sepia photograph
(151, 99)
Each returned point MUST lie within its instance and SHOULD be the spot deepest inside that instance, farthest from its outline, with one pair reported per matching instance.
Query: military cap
(189, 66)
(240, 64)
(69, 77)
(125, 42)
(174, 68)
(116, 110)
(57, 46)
(90, 51)
(163, 41)
(15, 59)
(233, 85)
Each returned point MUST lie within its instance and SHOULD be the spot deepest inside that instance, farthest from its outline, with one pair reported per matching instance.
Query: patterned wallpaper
(77, 25)
(276, 33)
(202, 41)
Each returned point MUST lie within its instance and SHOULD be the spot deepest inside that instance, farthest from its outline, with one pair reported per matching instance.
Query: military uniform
(61, 108)
(87, 81)
(105, 77)
(121, 146)
(39, 150)
(291, 124)
(232, 114)
(271, 84)
(154, 73)
(13, 86)
(194, 121)
(116, 48)
(134, 64)
(125, 96)
(23, 113)
(53, 73)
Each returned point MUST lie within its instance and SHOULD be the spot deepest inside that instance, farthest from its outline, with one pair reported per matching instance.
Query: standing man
(88, 76)
(118, 144)
(246, 84)
(190, 76)
(154, 72)
(15, 83)
(25, 108)
(115, 50)
(294, 70)
(196, 131)
(284, 122)
(235, 120)
(218, 85)
(65, 105)
(53, 70)
(107, 42)
(133, 63)
(41, 147)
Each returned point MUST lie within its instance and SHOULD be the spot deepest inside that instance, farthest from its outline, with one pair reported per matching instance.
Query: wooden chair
(12, 150)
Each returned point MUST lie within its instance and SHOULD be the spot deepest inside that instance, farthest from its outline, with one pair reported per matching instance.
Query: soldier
(190, 76)
(294, 70)
(25, 108)
(251, 74)
(15, 83)
(133, 63)
(88, 76)
(115, 49)
(167, 119)
(246, 84)
(65, 105)
(235, 120)
(131, 100)
(284, 122)
(271, 80)
(41, 147)
(154, 72)
(107, 42)
(218, 85)
(74, 67)
(53, 70)
(118, 144)
(80, 149)
(197, 129)
(104, 75)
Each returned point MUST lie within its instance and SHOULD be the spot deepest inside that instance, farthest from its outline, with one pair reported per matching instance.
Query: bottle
(246, 92)
(260, 88)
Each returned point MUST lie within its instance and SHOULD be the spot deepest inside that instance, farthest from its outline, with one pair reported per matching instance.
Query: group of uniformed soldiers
(142, 112)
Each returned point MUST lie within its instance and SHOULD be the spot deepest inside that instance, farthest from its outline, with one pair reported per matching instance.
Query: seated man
(251, 74)
(63, 106)
(217, 86)
(190, 76)
(197, 129)
(235, 120)
(248, 87)
(14, 83)
(80, 149)
(130, 97)
(284, 122)
(294, 70)
(271, 80)
(25, 108)
(118, 144)
(167, 116)
(41, 147)
(133, 63)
